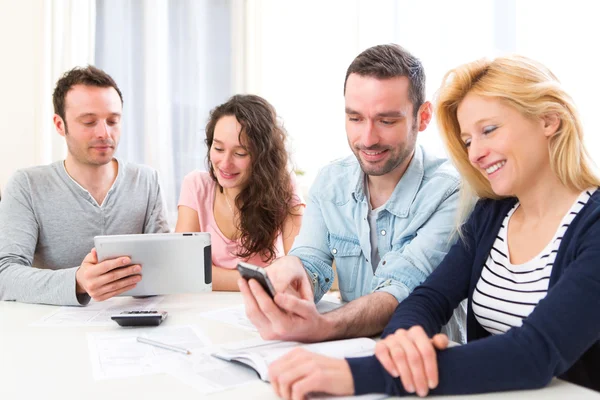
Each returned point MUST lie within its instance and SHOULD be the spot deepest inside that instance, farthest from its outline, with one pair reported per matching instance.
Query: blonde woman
(527, 260)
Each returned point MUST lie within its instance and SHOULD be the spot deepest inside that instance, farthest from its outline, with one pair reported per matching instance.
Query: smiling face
(93, 124)
(505, 146)
(380, 123)
(230, 159)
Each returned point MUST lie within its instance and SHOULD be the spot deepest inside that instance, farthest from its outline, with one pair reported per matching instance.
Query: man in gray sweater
(50, 214)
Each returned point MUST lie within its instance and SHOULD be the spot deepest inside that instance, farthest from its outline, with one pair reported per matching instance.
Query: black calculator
(140, 318)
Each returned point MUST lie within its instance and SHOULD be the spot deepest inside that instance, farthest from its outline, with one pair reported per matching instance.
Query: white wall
(297, 58)
(300, 50)
(21, 38)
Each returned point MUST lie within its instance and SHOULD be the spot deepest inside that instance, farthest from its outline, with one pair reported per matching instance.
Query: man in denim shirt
(385, 215)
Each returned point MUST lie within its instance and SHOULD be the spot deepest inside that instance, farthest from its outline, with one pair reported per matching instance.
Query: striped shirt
(507, 293)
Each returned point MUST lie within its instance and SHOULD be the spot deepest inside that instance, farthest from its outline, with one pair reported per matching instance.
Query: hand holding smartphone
(249, 271)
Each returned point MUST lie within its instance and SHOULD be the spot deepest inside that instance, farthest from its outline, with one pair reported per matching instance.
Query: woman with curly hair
(248, 200)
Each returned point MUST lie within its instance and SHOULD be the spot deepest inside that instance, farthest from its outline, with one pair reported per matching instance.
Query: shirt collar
(83, 191)
(406, 190)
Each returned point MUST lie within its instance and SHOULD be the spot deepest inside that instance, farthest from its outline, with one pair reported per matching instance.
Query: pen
(163, 345)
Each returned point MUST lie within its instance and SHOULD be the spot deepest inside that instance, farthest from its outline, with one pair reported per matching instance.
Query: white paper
(260, 354)
(98, 313)
(205, 373)
(118, 354)
(273, 350)
(236, 316)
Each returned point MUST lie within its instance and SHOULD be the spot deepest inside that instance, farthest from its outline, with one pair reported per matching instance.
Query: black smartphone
(249, 271)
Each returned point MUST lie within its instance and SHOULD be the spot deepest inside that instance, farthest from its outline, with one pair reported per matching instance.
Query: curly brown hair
(266, 200)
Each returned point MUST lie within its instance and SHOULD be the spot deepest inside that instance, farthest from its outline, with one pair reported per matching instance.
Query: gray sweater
(48, 223)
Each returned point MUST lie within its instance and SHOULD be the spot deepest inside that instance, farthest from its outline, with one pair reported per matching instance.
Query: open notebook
(259, 357)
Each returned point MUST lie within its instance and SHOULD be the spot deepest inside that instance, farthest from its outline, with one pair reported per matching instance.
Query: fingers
(300, 372)
(309, 383)
(279, 324)
(285, 317)
(418, 351)
(97, 284)
(253, 311)
(397, 344)
(109, 265)
(382, 352)
(428, 378)
(93, 269)
(440, 341)
(279, 366)
(305, 289)
(115, 287)
(411, 355)
(289, 379)
(265, 303)
(286, 371)
(288, 275)
(97, 279)
(117, 274)
(91, 257)
(114, 293)
(280, 276)
(303, 308)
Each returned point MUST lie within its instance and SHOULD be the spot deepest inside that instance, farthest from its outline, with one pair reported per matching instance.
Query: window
(172, 61)
(175, 60)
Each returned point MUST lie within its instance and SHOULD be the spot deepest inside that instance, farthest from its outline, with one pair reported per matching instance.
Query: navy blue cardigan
(561, 337)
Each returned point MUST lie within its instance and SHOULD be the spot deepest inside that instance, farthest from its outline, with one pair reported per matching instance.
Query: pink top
(198, 193)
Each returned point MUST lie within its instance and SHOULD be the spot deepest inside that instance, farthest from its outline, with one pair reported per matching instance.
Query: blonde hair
(531, 89)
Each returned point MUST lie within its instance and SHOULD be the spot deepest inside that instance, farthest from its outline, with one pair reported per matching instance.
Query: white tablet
(171, 262)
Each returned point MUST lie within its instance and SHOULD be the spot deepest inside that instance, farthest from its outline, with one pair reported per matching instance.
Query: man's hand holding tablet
(106, 279)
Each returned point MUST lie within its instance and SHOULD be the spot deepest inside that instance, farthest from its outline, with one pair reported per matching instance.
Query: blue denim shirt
(414, 228)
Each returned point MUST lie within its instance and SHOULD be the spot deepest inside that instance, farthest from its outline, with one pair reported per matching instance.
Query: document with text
(118, 354)
(259, 357)
(98, 313)
(205, 373)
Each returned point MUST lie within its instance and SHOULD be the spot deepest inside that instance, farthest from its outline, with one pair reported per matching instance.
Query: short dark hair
(390, 61)
(88, 76)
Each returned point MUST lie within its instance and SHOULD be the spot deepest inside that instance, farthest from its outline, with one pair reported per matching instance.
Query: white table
(53, 362)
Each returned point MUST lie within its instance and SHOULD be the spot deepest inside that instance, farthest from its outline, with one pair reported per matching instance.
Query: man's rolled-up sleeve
(310, 246)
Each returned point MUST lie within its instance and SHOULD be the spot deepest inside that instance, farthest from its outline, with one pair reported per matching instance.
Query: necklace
(228, 203)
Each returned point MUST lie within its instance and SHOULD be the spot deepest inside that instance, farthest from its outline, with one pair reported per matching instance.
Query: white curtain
(68, 33)
(175, 60)
(172, 61)
(41, 40)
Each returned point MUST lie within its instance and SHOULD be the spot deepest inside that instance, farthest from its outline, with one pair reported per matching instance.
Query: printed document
(98, 313)
(118, 354)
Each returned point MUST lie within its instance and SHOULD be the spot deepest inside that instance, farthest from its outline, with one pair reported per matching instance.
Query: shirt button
(327, 280)
(383, 263)
(334, 251)
(383, 232)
